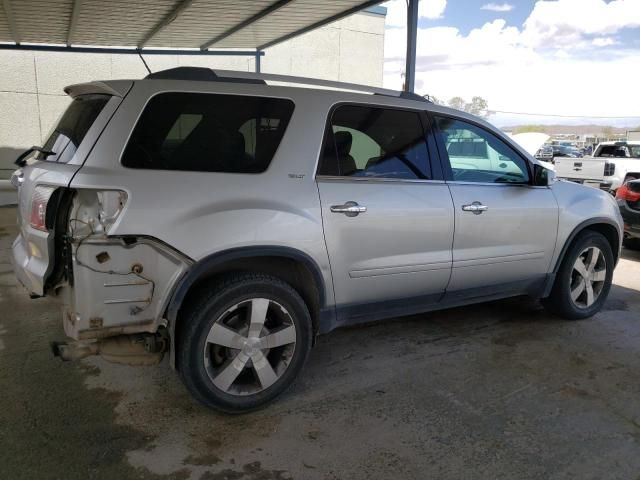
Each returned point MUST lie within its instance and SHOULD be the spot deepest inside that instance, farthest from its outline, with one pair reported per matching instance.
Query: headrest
(343, 142)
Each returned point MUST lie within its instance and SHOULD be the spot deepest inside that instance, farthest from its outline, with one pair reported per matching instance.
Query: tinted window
(477, 155)
(624, 151)
(375, 142)
(208, 133)
(72, 127)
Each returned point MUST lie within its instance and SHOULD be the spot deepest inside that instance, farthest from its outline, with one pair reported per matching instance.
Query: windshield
(72, 127)
(620, 151)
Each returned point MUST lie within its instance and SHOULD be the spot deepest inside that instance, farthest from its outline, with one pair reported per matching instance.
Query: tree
(477, 106)
(457, 102)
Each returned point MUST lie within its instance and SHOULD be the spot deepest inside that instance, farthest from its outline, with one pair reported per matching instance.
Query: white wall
(31, 83)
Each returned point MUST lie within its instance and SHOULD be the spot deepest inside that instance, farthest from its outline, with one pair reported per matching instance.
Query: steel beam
(73, 22)
(258, 55)
(179, 7)
(412, 34)
(261, 14)
(13, 28)
(134, 51)
(319, 24)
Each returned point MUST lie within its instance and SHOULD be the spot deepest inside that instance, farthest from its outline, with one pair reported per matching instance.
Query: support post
(412, 34)
(259, 53)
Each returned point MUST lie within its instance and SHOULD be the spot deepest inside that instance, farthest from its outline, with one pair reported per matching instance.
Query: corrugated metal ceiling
(167, 23)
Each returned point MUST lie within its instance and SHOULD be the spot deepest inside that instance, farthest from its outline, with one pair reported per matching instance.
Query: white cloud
(604, 41)
(565, 22)
(397, 11)
(553, 69)
(497, 7)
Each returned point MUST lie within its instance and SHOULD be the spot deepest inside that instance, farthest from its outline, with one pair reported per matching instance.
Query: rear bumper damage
(120, 286)
(133, 350)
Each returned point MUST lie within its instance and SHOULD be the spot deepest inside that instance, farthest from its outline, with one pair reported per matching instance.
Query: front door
(505, 228)
(388, 221)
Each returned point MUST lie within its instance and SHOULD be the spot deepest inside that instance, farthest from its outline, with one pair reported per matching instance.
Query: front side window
(477, 155)
(72, 127)
(376, 143)
(208, 133)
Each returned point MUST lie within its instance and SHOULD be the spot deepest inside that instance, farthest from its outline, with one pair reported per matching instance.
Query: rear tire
(244, 342)
(584, 278)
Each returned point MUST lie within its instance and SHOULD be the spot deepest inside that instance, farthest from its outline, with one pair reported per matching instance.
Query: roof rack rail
(233, 76)
(197, 74)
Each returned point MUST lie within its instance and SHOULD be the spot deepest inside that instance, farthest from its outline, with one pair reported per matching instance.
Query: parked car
(622, 162)
(612, 164)
(229, 222)
(545, 154)
(566, 151)
(628, 198)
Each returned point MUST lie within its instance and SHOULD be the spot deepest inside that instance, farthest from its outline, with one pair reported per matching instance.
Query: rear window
(208, 133)
(621, 151)
(72, 127)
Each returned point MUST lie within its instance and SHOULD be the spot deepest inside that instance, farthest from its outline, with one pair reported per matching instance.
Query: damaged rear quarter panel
(120, 285)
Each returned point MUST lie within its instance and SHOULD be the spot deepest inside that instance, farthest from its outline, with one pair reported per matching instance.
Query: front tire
(584, 278)
(245, 341)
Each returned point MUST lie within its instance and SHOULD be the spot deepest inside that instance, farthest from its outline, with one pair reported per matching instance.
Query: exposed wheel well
(292, 271)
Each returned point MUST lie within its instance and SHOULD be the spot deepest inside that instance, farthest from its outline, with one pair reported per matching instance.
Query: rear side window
(72, 127)
(375, 142)
(208, 133)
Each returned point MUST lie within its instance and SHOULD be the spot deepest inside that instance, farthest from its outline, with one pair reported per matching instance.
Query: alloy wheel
(588, 277)
(249, 347)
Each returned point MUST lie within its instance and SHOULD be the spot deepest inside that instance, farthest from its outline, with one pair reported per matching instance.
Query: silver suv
(228, 222)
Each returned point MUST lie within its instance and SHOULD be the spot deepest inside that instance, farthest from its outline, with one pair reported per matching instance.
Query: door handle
(476, 207)
(350, 209)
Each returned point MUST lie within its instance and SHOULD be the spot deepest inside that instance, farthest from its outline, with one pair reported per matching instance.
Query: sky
(555, 57)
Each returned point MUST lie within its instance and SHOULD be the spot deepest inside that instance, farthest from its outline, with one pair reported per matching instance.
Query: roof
(183, 24)
(202, 74)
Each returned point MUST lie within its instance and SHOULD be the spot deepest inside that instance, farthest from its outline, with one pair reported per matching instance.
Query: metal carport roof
(183, 24)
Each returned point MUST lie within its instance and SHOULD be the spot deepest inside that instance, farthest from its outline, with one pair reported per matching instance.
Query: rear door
(505, 228)
(387, 214)
(68, 144)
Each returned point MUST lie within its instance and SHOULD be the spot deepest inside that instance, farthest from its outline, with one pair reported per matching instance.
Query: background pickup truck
(612, 165)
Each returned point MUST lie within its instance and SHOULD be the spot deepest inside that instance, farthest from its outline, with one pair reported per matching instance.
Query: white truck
(612, 164)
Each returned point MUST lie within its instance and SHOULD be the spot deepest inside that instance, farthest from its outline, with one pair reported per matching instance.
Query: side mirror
(543, 177)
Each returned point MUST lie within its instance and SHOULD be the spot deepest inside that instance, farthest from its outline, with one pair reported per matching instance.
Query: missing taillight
(39, 201)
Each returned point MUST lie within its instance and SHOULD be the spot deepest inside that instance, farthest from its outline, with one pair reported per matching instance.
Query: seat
(343, 148)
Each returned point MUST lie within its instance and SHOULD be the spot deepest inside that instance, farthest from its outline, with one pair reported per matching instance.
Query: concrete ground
(495, 391)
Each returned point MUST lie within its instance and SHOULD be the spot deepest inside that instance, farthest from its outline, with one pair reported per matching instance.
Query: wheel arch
(607, 227)
(288, 264)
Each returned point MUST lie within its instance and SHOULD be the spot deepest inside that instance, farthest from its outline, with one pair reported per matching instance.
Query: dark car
(566, 151)
(628, 198)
